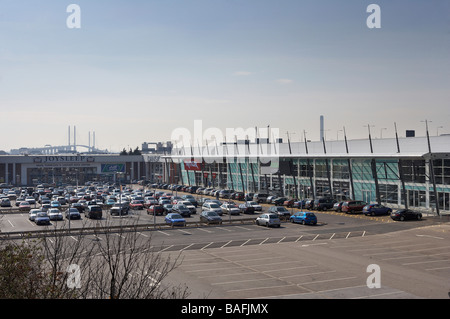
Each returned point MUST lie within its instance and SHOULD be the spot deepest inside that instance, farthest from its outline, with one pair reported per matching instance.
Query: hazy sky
(136, 70)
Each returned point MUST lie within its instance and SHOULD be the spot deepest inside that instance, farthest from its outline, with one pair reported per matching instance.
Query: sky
(137, 70)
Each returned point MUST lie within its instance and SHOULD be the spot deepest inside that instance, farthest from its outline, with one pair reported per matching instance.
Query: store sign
(113, 168)
(192, 166)
(63, 159)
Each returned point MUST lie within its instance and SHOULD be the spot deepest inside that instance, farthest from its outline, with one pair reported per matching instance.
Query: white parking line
(205, 230)
(183, 231)
(168, 247)
(10, 223)
(242, 227)
(264, 241)
(245, 242)
(223, 228)
(186, 247)
(207, 245)
(299, 238)
(159, 231)
(226, 244)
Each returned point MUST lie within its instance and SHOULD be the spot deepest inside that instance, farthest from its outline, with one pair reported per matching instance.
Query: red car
(136, 204)
(353, 206)
(155, 209)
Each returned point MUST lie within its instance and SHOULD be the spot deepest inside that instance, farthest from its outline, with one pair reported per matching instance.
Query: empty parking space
(418, 267)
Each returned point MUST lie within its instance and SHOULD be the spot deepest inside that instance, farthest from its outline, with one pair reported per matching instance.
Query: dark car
(353, 206)
(281, 211)
(167, 208)
(119, 209)
(337, 207)
(42, 219)
(279, 200)
(406, 214)
(182, 210)
(376, 209)
(94, 211)
(247, 208)
(324, 203)
(155, 209)
(210, 217)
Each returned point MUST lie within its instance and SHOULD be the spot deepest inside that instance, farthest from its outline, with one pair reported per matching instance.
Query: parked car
(212, 206)
(406, 214)
(279, 200)
(181, 210)
(225, 193)
(94, 211)
(210, 217)
(155, 209)
(55, 204)
(337, 207)
(289, 202)
(42, 219)
(280, 211)
(247, 208)
(260, 197)
(324, 203)
(189, 206)
(136, 204)
(24, 206)
(268, 220)
(304, 218)
(376, 209)
(5, 202)
(175, 219)
(191, 199)
(167, 208)
(72, 213)
(231, 209)
(255, 205)
(55, 214)
(33, 213)
(79, 206)
(119, 209)
(353, 206)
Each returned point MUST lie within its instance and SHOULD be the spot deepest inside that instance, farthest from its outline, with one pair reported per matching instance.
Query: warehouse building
(412, 171)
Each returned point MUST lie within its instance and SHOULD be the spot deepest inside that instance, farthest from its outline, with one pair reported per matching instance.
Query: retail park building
(412, 171)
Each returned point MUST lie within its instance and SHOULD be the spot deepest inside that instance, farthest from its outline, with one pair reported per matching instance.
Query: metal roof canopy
(410, 147)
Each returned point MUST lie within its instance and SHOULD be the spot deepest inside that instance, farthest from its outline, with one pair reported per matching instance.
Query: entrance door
(367, 196)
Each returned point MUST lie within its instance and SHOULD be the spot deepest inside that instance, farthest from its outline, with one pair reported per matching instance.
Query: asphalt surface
(330, 260)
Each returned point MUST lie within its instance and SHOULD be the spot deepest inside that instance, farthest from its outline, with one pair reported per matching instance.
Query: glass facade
(364, 179)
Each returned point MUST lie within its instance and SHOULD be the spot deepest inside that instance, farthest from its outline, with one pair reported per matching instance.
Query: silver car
(33, 213)
(268, 220)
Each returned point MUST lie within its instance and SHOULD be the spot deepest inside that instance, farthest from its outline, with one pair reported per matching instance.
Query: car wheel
(402, 218)
(303, 222)
(419, 217)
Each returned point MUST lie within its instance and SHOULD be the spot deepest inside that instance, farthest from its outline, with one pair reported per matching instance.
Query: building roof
(410, 147)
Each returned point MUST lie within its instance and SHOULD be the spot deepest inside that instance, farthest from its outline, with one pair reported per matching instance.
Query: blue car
(42, 218)
(376, 209)
(304, 218)
(175, 219)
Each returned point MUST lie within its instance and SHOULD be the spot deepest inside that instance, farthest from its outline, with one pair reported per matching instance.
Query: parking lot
(413, 263)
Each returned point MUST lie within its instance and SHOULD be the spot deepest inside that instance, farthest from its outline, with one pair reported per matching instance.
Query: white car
(255, 205)
(211, 206)
(189, 205)
(32, 214)
(55, 214)
(231, 209)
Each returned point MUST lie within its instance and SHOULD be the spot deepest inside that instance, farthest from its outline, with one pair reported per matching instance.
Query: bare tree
(109, 262)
